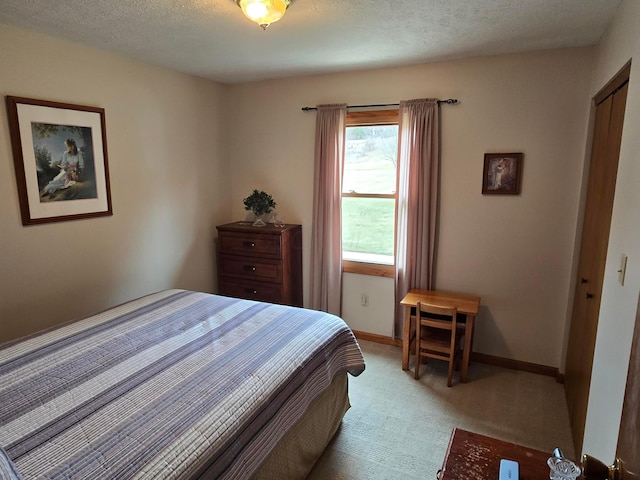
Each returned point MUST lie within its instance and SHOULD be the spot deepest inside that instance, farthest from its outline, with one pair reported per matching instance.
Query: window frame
(364, 118)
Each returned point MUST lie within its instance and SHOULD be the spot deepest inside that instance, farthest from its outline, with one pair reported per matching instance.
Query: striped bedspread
(177, 384)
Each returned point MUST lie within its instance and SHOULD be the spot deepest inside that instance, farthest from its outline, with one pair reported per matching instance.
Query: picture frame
(60, 158)
(502, 174)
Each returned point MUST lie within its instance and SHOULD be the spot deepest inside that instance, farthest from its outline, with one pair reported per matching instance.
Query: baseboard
(477, 357)
(517, 365)
(373, 337)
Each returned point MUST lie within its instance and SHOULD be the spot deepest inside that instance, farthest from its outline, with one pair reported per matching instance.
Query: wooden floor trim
(517, 365)
(477, 357)
(372, 337)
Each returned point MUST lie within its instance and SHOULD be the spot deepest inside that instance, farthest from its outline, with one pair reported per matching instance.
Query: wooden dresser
(260, 263)
(472, 456)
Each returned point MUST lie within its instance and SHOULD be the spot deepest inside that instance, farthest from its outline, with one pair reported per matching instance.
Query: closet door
(610, 107)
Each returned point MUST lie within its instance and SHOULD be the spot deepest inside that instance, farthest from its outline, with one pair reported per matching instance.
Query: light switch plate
(623, 269)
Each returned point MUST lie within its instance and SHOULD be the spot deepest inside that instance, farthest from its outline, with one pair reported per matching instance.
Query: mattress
(177, 384)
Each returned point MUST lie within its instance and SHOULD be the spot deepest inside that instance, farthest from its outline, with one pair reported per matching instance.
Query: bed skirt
(298, 451)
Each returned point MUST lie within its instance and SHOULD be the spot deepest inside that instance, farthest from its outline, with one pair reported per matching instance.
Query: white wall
(515, 252)
(169, 185)
(374, 317)
(619, 303)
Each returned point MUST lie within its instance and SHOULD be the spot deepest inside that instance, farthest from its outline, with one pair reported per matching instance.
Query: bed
(177, 384)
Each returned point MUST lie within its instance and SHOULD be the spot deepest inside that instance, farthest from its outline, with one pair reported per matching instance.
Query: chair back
(439, 339)
(435, 316)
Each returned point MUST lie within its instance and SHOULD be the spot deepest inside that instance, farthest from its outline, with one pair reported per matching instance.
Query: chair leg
(416, 371)
(451, 363)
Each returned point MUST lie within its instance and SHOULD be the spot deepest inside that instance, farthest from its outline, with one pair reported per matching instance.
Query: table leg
(468, 345)
(406, 338)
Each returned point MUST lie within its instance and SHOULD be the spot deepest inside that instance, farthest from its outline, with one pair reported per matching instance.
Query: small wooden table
(465, 304)
(472, 456)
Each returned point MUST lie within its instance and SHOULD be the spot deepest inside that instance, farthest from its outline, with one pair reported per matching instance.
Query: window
(369, 192)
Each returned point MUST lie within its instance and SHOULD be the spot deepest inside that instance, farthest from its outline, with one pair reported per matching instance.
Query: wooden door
(610, 106)
(627, 457)
(629, 436)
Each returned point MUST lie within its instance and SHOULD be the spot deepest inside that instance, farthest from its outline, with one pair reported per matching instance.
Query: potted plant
(260, 203)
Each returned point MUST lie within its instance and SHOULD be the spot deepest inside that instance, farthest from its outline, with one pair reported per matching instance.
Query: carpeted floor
(399, 428)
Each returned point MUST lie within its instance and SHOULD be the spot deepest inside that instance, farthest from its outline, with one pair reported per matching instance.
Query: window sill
(374, 269)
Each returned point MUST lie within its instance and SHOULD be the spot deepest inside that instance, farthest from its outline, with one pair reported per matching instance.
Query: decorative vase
(259, 222)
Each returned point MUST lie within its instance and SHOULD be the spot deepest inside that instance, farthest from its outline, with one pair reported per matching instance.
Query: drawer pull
(250, 268)
(248, 244)
(251, 290)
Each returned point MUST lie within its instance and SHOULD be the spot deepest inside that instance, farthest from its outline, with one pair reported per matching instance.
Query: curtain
(326, 234)
(418, 157)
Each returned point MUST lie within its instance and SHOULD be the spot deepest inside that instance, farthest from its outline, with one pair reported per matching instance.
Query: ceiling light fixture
(264, 12)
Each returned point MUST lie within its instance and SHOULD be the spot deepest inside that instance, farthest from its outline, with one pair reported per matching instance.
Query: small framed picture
(502, 174)
(60, 157)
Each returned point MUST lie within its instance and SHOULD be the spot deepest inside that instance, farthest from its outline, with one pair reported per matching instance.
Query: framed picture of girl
(502, 174)
(60, 158)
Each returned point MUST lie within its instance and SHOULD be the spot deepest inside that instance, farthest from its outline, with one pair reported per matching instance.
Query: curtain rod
(450, 101)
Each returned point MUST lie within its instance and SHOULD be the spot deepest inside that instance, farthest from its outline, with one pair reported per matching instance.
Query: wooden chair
(437, 336)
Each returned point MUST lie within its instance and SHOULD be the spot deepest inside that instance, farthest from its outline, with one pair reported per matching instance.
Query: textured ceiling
(212, 39)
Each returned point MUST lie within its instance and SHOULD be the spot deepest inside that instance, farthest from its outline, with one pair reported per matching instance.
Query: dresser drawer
(251, 268)
(252, 245)
(263, 292)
